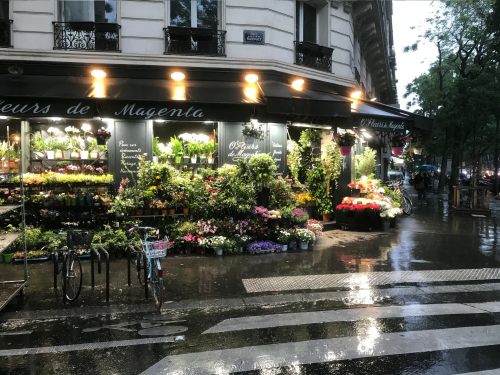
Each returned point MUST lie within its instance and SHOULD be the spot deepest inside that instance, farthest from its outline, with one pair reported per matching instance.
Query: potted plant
(284, 237)
(37, 145)
(345, 142)
(304, 236)
(193, 149)
(253, 131)
(102, 135)
(208, 149)
(398, 142)
(177, 148)
(218, 244)
(50, 144)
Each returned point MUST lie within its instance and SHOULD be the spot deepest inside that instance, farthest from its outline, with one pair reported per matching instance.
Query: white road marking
(86, 346)
(349, 315)
(327, 350)
(495, 371)
(366, 279)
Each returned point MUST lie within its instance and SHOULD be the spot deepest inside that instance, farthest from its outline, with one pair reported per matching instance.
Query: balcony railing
(313, 56)
(5, 33)
(87, 36)
(195, 41)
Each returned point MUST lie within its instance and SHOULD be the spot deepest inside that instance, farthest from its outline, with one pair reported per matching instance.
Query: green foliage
(281, 193)
(332, 161)
(177, 146)
(294, 159)
(261, 168)
(37, 142)
(209, 148)
(317, 185)
(194, 148)
(366, 163)
(156, 147)
(309, 138)
(114, 241)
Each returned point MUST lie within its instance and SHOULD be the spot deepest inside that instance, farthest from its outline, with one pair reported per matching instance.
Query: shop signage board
(134, 110)
(130, 141)
(254, 37)
(235, 146)
(383, 124)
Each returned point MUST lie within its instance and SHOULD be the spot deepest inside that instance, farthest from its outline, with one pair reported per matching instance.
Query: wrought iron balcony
(5, 33)
(87, 36)
(195, 41)
(313, 56)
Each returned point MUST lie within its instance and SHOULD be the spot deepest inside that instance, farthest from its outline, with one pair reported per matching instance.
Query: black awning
(284, 103)
(63, 96)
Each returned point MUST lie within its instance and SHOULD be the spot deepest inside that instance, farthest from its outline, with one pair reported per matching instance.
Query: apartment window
(88, 11)
(4, 10)
(194, 13)
(306, 26)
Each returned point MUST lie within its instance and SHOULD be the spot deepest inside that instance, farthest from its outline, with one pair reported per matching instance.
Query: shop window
(194, 13)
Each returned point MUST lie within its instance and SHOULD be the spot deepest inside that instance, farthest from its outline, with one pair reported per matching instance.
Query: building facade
(347, 44)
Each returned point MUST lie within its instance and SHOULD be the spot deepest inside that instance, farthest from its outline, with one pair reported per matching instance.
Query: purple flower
(298, 212)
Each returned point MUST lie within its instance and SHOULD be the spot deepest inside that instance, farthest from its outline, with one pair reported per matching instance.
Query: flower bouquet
(299, 216)
(304, 236)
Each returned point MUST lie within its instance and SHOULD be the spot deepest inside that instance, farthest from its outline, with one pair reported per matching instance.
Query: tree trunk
(444, 163)
(496, 154)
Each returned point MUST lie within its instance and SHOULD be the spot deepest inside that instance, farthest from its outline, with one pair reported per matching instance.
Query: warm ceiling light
(373, 99)
(251, 78)
(358, 94)
(251, 93)
(178, 76)
(298, 84)
(98, 73)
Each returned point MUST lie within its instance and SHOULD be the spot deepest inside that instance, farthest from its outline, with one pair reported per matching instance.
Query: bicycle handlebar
(141, 228)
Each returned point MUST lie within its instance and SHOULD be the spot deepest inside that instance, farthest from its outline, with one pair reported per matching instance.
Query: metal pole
(145, 263)
(128, 266)
(106, 254)
(92, 280)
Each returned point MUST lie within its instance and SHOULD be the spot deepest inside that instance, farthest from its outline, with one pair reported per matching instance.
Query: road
(421, 299)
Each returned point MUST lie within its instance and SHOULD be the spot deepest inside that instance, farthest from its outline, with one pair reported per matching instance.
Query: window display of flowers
(304, 235)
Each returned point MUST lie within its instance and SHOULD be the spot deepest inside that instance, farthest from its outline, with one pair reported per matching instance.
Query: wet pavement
(439, 322)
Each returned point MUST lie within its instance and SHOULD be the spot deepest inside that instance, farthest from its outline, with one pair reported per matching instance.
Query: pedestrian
(419, 183)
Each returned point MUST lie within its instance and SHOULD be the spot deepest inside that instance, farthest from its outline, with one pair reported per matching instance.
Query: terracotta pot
(398, 151)
(185, 211)
(171, 211)
(345, 150)
(327, 217)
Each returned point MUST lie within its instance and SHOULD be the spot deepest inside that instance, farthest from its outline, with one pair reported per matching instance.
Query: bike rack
(96, 252)
(129, 277)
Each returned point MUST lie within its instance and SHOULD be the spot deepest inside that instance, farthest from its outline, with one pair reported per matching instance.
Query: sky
(408, 22)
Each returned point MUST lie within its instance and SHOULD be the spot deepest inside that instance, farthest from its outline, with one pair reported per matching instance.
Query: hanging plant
(345, 142)
(398, 143)
(252, 131)
(102, 135)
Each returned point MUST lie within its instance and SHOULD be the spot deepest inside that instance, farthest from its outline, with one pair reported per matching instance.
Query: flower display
(264, 247)
(305, 235)
(346, 139)
(315, 226)
(303, 199)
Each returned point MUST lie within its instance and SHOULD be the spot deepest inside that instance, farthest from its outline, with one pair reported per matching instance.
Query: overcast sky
(408, 23)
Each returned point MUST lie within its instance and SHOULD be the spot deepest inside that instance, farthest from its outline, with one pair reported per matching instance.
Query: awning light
(358, 94)
(178, 76)
(373, 99)
(251, 78)
(98, 73)
(298, 84)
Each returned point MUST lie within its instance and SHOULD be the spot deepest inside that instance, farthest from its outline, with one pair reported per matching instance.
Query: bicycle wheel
(407, 205)
(156, 282)
(140, 267)
(72, 277)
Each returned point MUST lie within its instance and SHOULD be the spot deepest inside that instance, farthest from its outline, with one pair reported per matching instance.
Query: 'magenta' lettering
(133, 110)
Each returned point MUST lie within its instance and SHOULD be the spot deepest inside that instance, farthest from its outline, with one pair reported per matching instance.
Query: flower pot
(311, 244)
(139, 212)
(37, 155)
(397, 151)
(284, 247)
(218, 251)
(58, 154)
(327, 217)
(84, 155)
(304, 245)
(193, 159)
(185, 159)
(171, 211)
(75, 155)
(185, 211)
(178, 159)
(292, 245)
(393, 222)
(67, 155)
(94, 154)
(203, 159)
(345, 150)
(164, 212)
(101, 141)
(103, 155)
(50, 155)
(12, 164)
(385, 225)
(210, 160)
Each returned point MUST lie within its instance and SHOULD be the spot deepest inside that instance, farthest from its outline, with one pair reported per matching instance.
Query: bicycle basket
(155, 249)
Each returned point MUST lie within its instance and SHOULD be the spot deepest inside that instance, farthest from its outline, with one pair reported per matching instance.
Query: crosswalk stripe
(366, 279)
(326, 350)
(495, 371)
(86, 346)
(348, 315)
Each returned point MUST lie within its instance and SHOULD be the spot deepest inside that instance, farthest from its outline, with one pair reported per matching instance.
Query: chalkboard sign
(233, 145)
(130, 141)
(277, 145)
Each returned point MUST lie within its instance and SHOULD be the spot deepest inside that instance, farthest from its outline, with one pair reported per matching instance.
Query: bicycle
(148, 262)
(71, 270)
(406, 203)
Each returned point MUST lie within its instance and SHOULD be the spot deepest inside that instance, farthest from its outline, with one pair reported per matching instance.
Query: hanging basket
(345, 150)
(397, 151)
